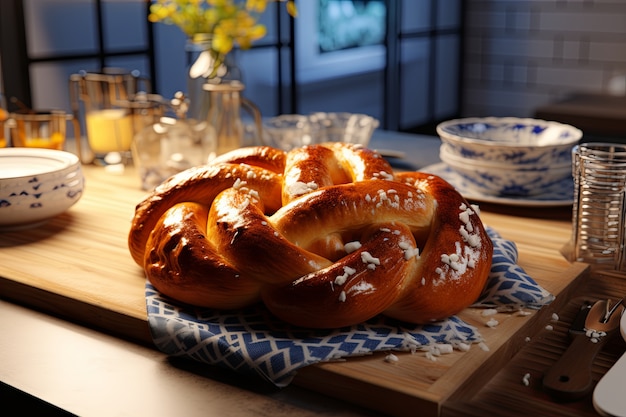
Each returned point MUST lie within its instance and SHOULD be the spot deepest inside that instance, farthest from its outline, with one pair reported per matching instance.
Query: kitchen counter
(75, 333)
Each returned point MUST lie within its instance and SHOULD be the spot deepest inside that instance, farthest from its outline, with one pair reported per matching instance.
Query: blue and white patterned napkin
(252, 341)
(508, 284)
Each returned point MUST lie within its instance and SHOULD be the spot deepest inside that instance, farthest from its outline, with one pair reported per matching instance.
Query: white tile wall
(521, 54)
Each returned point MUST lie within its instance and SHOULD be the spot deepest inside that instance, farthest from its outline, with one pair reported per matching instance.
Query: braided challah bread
(325, 236)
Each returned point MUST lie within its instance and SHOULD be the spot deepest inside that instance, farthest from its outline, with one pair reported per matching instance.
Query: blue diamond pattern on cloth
(252, 341)
(508, 284)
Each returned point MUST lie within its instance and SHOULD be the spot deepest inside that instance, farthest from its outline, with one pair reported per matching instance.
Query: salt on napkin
(252, 341)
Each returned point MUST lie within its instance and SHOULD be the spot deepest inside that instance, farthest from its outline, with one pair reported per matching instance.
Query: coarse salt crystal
(367, 258)
(238, 184)
(391, 358)
(463, 347)
(352, 246)
(474, 241)
(444, 348)
(492, 323)
(411, 253)
(341, 279)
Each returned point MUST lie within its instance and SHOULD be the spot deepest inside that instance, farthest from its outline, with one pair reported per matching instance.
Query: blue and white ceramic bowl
(502, 179)
(520, 141)
(36, 185)
(508, 156)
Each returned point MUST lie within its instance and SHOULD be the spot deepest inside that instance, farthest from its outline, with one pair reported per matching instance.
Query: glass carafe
(224, 115)
(171, 144)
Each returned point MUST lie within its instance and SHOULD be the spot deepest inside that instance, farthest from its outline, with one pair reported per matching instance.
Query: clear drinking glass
(4, 115)
(39, 129)
(599, 211)
(108, 116)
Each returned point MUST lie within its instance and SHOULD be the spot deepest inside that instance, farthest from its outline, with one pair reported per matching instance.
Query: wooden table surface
(77, 266)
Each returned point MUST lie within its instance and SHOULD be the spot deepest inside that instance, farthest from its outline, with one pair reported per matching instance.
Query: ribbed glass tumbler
(599, 211)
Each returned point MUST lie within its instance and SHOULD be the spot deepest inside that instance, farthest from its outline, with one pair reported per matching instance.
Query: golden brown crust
(326, 236)
(183, 264)
(200, 185)
(441, 286)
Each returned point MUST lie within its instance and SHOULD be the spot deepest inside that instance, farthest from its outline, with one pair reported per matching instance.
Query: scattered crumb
(526, 379)
(443, 348)
(489, 312)
(492, 323)
(391, 358)
(438, 349)
(463, 347)
(527, 339)
(594, 333)
(555, 317)
(483, 346)
(549, 327)
(523, 313)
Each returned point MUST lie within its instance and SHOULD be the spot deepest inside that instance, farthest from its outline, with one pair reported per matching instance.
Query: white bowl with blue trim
(506, 179)
(508, 156)
(37, 185)
(511, 140)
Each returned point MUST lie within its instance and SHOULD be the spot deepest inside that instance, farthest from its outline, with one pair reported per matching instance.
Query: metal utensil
(610, 310)
(570, 377)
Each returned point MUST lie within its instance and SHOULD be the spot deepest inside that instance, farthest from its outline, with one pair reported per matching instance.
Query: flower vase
(224, 114)
(202, 70)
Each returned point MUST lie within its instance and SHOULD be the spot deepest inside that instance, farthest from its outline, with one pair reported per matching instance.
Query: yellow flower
(226, 22)
(256, 5)
(205, 16)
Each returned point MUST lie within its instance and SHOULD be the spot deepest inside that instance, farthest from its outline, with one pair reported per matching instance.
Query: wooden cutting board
(77, 266)
(537, 357)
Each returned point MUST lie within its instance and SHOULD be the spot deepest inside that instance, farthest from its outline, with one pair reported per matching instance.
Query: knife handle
(570, 377)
